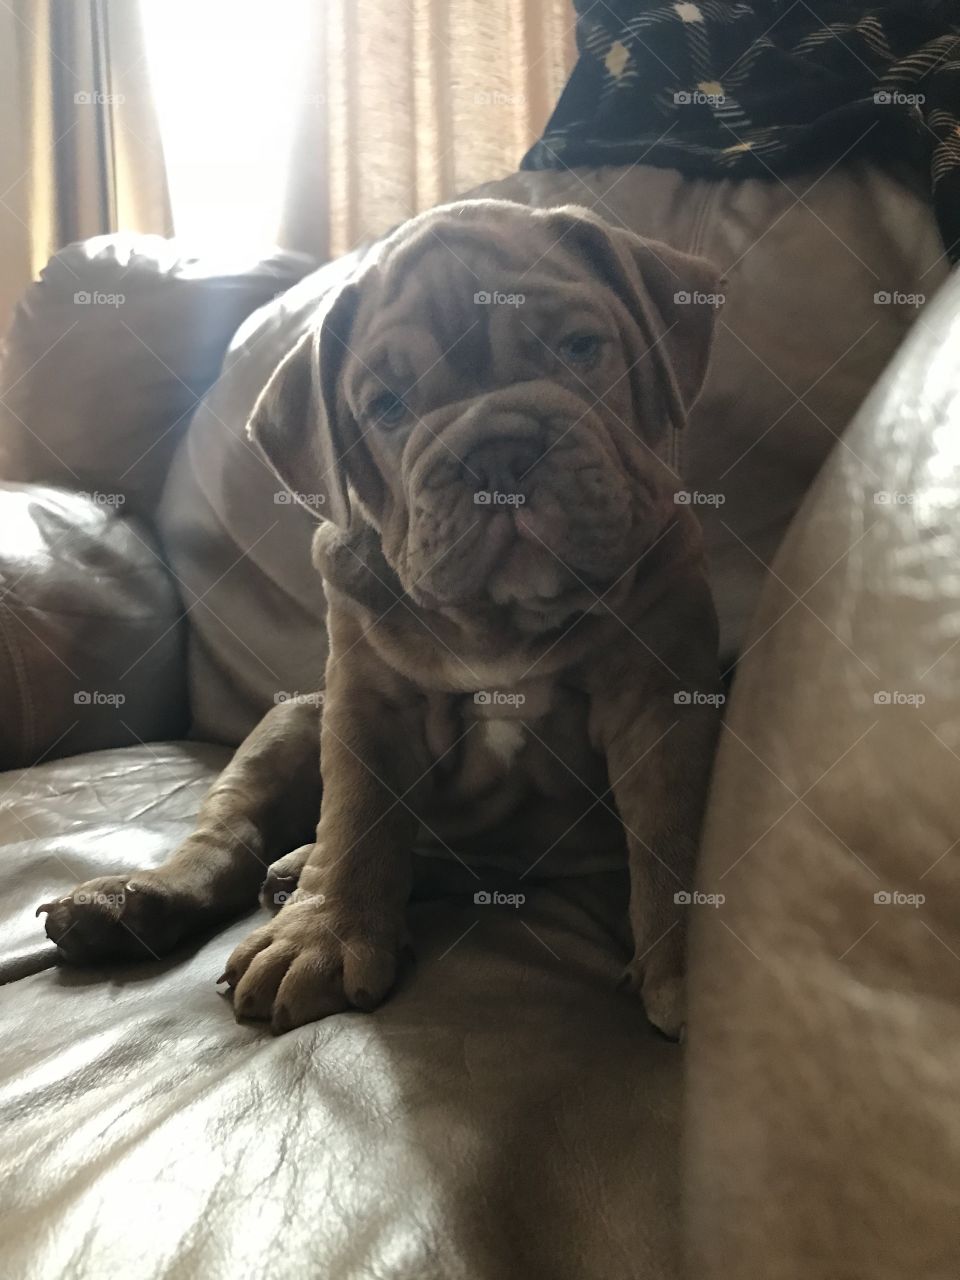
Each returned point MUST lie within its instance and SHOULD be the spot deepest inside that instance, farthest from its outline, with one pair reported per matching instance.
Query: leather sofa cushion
(823, 1123)
(91, 637)
(109, 352)
(801, 340)
(507, 1113)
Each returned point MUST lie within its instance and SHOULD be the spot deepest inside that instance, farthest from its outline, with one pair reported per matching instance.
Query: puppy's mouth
(510, 563)
(529, 572)
(550, 530)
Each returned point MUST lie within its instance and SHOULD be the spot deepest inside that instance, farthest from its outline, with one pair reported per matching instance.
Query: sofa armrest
(91, 638)
(823, 1136)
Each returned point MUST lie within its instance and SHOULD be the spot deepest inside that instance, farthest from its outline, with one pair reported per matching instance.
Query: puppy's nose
(501, 466)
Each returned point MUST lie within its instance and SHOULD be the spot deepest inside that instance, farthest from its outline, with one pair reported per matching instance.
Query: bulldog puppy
(523, 646)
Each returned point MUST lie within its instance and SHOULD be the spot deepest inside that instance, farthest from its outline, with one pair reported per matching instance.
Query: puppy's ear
(301, 422)
(671, 295)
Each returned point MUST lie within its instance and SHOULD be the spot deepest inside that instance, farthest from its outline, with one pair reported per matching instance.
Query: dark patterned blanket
(761, 87)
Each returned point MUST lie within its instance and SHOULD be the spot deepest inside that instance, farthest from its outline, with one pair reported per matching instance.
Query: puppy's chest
(530, 737)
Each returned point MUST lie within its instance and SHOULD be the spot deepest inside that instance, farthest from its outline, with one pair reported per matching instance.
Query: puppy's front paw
(132, 917)
(311, 961)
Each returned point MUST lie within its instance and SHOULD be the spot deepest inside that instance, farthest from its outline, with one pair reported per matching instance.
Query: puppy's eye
(580, 349)
(386, 410)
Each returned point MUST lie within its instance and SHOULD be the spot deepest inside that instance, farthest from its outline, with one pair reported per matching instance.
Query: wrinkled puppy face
(497, 392)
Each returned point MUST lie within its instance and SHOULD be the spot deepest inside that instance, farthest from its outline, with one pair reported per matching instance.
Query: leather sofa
(507, 1113)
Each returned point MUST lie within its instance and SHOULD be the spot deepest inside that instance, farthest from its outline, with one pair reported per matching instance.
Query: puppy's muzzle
(502, 465)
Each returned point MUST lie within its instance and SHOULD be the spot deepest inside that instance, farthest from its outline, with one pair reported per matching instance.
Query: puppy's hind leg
(265, 802)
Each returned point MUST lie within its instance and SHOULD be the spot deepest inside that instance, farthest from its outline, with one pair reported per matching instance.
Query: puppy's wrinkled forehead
(459, 290)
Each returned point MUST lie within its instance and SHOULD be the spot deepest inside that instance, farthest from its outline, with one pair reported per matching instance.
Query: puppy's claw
(49, 906)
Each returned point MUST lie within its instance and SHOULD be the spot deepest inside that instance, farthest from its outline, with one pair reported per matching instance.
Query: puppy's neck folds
(484, 646)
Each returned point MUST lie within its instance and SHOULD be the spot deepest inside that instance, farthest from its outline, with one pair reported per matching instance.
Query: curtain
(409, 102)
(80, 151)
(389, 106)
